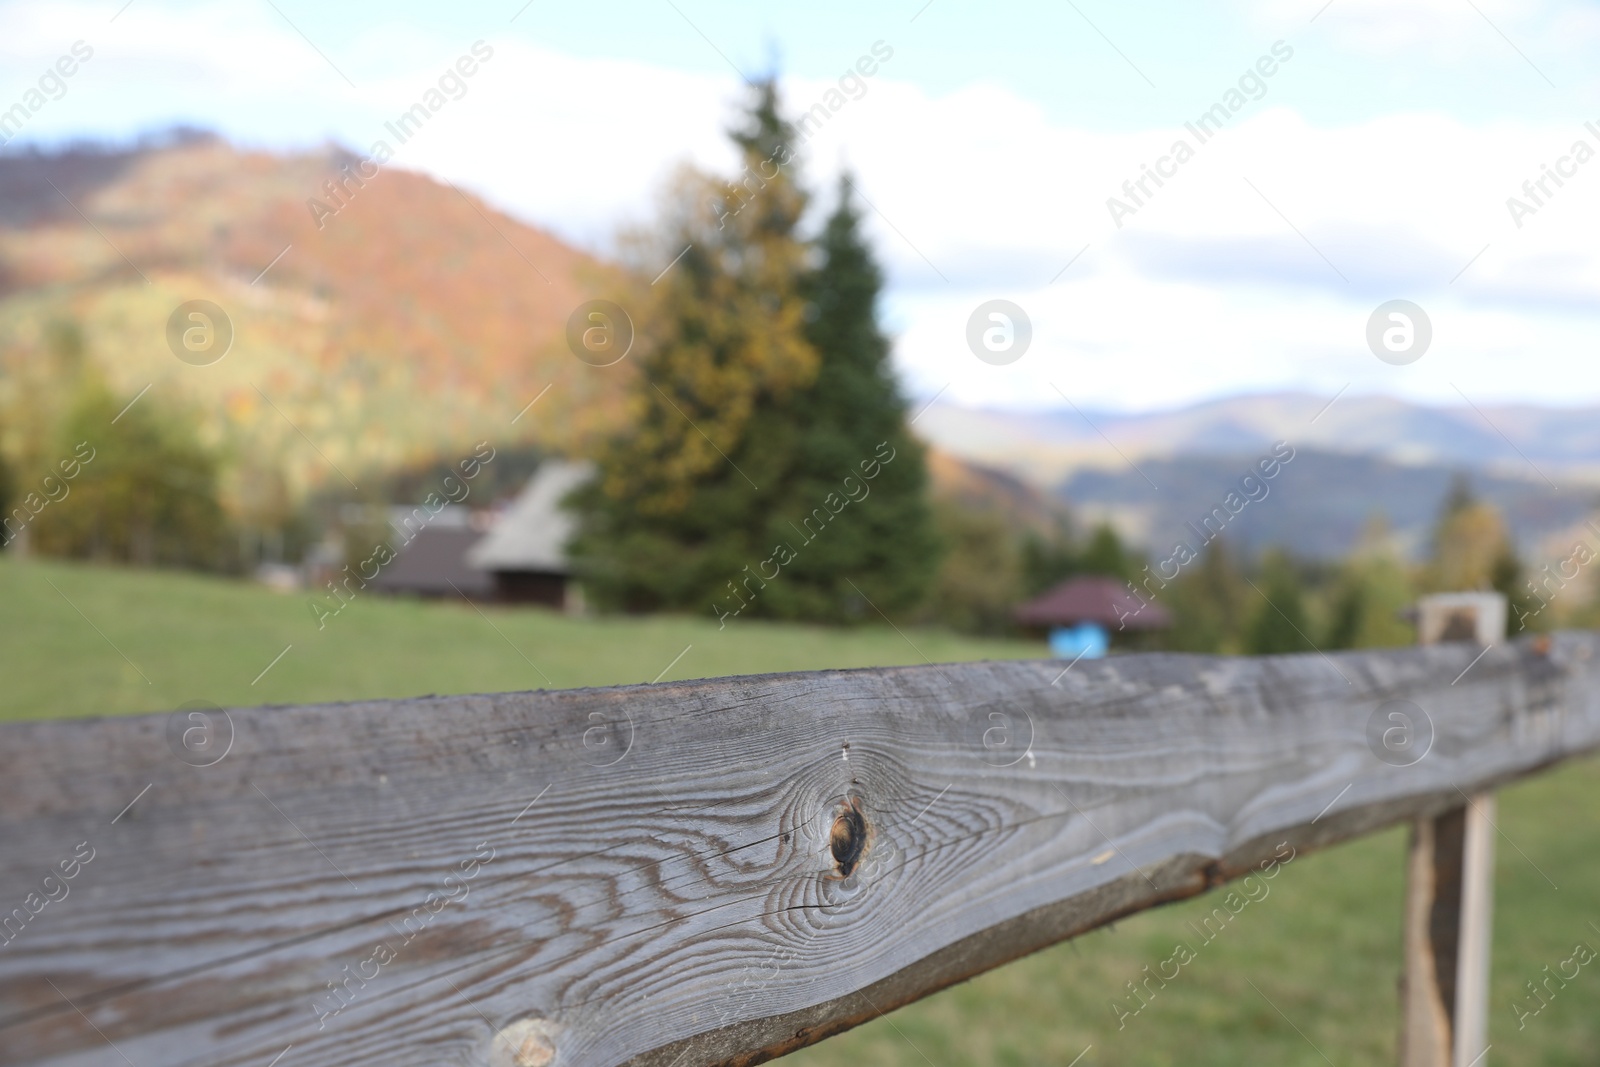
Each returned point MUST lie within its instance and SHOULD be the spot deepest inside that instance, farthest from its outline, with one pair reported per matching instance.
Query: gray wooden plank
(654, 877)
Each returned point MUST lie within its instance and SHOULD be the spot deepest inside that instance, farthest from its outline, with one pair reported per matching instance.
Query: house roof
(431, 561)
(533, 533)
(1093, 598)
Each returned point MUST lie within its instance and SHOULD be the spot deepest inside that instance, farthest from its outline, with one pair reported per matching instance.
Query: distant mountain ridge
(1318, 505)
(1358, 459)
(1048, 446)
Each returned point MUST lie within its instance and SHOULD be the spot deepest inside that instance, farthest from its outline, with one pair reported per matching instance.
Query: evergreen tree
(854, 505)
(1280, 623)
(1472, 550)
(768, 469)
(1469, 542)
(1350, 609)
(1048, 559)
(1458, 498)
(1209, 602)
(1105, 555)
(1524, 608)
(679, 514)
(1371, 589)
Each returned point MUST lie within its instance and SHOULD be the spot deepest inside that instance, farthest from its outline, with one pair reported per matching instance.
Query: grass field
(82, 640)
(1305, 976)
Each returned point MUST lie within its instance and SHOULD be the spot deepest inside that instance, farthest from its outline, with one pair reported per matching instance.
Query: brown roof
(1093, 599)
(433, 559)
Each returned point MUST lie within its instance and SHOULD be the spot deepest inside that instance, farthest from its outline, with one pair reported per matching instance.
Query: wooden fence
(710, 872)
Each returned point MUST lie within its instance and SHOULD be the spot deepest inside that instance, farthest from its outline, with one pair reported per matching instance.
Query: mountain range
(1517, 440)
(1358, 458)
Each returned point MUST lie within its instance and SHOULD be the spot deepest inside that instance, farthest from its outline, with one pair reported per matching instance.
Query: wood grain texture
(1431, 939)
(652, 875)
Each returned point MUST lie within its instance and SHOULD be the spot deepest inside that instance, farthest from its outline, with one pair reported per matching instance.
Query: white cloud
(1553, 38)
(1209, 290)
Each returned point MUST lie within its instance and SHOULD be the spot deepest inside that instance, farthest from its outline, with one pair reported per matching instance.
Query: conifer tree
(1106, 555)
(1467, 537)
(1370, 591)
(1210, 603)
(768, 469)
(1280, 623)
(679, 513)
(1049, 557)
(1472, 549)
(855, 505)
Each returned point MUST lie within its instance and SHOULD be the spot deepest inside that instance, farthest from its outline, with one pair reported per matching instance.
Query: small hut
(1080, 614)
(526, 551)
(429, 554)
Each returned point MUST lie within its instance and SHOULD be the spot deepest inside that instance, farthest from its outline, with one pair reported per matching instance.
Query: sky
(1376, 162)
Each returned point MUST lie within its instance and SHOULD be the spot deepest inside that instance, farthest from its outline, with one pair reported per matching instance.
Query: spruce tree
(1350, 610)
(855, 505)
(767, 469)
(1210, 603)
(1471, 546)
(1280, 624)
(1105, 555)
(1049, 557)
(679, 513)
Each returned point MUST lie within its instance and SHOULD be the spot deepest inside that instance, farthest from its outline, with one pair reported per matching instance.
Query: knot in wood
(848, 839)
(525, 1043)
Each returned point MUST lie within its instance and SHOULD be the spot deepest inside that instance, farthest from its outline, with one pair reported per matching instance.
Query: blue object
(1087, 640)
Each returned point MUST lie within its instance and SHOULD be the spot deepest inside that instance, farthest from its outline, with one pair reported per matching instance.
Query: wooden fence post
(1477, 909)
(1444, 1020)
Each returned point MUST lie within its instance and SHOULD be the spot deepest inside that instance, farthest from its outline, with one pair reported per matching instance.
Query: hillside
(974, 487)
(414, 321)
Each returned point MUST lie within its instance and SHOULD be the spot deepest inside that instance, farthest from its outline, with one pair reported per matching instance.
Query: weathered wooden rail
(693, 873)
